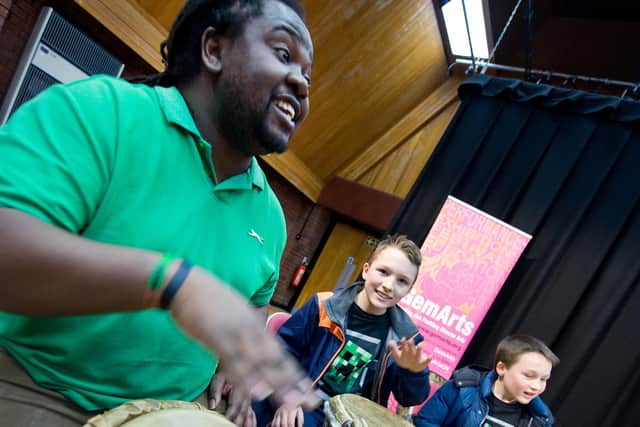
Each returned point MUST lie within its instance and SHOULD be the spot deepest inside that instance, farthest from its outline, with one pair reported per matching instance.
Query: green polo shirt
(125, 164)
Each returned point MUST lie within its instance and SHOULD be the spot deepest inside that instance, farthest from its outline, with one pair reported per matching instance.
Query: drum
(350, 410)
(159, 413)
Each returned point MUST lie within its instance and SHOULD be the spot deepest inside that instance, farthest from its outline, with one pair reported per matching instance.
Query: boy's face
(387, 279)
(525, 379)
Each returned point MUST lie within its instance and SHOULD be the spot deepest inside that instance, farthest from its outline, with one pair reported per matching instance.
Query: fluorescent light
(457, 31)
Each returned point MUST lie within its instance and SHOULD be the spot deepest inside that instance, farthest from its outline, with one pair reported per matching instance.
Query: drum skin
(159, 413)
(350, 410)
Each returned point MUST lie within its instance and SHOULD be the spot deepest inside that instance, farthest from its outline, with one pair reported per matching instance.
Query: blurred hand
(408, 355)
(254, 361)
(238, 406)
(288, 417)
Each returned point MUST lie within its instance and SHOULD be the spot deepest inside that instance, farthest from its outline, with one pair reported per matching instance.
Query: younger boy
(358, 340)
(508, 396)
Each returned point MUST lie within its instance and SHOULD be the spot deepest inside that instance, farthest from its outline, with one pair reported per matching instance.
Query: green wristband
(159, 271)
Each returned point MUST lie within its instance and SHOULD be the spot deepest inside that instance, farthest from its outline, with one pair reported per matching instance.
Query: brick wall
(5, 5)
(296, 210)
(15, 29)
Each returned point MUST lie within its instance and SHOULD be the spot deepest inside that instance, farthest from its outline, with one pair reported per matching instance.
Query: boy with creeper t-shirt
(508, 396)
(358, 340)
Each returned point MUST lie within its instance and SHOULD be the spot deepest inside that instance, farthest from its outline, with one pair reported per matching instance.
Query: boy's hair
(181, 50)
(399, 241)
(511, 347)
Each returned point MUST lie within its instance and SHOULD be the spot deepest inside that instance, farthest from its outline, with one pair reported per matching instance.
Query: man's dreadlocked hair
(181, 51)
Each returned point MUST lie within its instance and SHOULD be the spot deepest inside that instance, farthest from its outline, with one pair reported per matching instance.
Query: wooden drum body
(350, 410)
(159, 413)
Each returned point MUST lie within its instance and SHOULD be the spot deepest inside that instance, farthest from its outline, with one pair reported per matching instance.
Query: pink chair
(275, 320)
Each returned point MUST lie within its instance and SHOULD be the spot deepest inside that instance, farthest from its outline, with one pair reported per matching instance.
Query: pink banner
(467, 257)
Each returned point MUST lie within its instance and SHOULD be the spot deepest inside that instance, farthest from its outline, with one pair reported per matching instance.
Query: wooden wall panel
(164, 11)
(297, 173)
(345, 241)
(410, 123)
(128, 21)
(426, 141)
(397, 172)
(375, 60)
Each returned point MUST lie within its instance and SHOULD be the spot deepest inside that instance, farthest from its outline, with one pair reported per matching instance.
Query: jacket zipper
(484, 418)
(331, 360)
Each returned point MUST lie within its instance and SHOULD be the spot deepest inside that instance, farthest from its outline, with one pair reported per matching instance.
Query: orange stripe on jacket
(324, 321)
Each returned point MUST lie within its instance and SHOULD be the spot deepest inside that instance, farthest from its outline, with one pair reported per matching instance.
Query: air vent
(57, 52)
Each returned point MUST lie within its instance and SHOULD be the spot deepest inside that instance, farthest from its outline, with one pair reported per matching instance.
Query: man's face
(263, 86)
(525, 379)
(387, 280)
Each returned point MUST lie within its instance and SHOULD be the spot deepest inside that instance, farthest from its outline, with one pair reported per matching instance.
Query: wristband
(156, 278)
(174, 284)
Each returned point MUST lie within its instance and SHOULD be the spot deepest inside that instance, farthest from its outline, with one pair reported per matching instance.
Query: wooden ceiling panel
(375, 60)
(164, 12)
(425, 142)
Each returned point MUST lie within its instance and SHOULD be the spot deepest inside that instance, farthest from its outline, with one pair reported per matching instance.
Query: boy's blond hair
(512, 347)
(401, 242)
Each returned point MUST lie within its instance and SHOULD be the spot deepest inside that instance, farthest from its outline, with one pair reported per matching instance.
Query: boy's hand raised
(408, 355)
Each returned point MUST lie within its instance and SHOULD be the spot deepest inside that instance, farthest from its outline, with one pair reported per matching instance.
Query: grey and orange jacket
(315, 334)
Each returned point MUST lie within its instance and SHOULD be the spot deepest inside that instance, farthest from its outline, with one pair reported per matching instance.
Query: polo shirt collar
(256, 175)
(175, 109)
(252, 177)
(177, 112)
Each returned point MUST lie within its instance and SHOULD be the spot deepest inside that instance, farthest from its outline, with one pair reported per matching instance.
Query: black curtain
(564, 166)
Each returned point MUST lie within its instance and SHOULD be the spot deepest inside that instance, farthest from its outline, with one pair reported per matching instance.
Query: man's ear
(500, 368)
(211, 51)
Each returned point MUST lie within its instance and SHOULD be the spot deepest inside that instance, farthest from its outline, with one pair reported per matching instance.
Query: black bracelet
(174, 284)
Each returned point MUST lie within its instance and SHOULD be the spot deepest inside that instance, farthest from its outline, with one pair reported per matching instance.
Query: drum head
(350, 410)
(159, 413)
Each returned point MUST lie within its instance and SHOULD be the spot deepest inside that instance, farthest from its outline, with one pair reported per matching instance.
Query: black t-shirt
(353, 370)
(503, 414)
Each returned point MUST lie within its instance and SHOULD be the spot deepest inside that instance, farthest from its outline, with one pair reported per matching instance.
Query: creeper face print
(347, 369)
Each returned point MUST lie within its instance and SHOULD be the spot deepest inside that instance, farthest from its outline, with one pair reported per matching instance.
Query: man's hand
(254, 361)
(408, 355)
(287, 417)
(238, 408)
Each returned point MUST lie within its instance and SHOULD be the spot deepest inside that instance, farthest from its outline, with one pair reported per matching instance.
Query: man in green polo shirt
(108, 188)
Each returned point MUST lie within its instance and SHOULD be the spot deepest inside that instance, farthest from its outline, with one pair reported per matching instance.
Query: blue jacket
(462, 402)
(315, 334)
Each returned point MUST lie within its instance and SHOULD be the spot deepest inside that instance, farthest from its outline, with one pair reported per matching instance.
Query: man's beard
(268, 140)
(244, 127)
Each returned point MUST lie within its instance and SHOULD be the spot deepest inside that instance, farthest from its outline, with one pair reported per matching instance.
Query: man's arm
(263, 313)
(48, 272)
